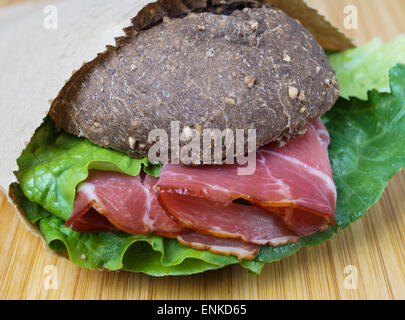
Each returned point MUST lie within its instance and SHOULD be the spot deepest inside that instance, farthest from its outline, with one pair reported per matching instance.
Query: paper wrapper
(36, 60)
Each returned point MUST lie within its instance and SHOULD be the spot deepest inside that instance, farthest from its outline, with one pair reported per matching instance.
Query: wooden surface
(374, 245)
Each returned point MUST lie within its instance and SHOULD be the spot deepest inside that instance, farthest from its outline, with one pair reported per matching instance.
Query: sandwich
(213, 134)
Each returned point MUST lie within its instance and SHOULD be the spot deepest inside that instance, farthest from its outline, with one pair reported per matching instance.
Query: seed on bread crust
(293, 93)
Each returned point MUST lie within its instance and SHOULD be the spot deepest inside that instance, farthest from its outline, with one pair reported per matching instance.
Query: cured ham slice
(126, 202)
(293, 183)
(290, 194)
(88, 219)
(248, 223)
(111, 201)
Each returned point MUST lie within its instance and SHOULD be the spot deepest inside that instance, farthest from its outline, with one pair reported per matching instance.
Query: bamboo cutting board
(366, 261)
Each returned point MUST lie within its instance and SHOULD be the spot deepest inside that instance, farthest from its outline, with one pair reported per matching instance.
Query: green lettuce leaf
(53, 164)
(362, 69)
(367, 148)
(151, 254)
(32, 211)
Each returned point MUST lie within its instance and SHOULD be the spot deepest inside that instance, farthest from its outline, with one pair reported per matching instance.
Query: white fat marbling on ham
(224, 246)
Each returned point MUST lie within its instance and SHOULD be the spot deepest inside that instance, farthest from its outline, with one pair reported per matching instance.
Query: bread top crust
(255, 68)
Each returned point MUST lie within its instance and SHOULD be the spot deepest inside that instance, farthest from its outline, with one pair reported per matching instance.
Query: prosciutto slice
(111, 201)
(293, 183)
(291, 194)
(126, 202)
(249, 223)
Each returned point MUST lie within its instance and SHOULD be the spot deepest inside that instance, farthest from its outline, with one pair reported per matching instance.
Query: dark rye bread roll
(255, 68)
